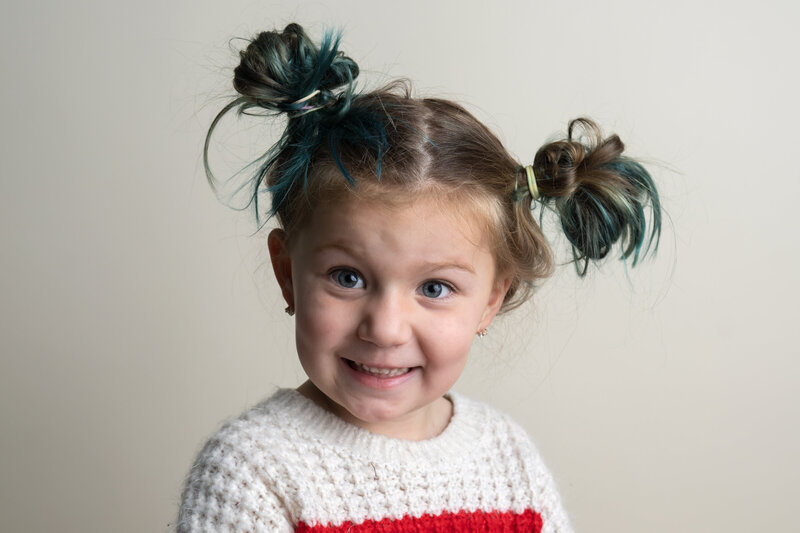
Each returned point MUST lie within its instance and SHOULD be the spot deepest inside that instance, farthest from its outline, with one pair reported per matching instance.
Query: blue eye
(435, 289)
(349, 279)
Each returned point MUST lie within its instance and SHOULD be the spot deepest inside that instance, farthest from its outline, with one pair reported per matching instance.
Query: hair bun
(281, 71)
(285, 72)
(599, 195)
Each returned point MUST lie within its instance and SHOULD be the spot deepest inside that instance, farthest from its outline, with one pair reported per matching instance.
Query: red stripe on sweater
(487, 522)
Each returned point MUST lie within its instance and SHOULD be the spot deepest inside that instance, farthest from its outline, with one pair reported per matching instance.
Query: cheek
(318, 336)
(448, 344)
(445, 362)
(320, 324)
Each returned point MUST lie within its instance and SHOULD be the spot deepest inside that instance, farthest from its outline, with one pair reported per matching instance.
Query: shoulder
(510, 449)
(502, 439)
(231, 485)
(248, 438)
(497, 425)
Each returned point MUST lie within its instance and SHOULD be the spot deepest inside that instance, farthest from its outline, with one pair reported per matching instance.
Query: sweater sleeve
(227, 491)
(546, 498)
(554, 518)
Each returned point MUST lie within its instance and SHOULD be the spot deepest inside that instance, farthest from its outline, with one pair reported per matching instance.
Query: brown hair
(338, 142)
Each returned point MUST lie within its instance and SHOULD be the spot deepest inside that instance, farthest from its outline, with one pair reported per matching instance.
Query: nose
(386, 320)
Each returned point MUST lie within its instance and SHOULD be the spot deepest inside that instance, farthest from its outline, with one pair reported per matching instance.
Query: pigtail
(286, 73)
(599, 195)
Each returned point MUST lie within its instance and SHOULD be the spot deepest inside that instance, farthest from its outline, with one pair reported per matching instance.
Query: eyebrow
(335, 246)
(444, 265)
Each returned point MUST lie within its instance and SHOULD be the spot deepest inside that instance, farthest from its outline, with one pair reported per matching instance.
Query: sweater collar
(464, 433)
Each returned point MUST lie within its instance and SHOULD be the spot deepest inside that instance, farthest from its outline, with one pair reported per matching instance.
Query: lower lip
(378, 382)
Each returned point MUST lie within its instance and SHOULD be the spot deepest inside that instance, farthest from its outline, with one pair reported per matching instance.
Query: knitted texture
(288, 465)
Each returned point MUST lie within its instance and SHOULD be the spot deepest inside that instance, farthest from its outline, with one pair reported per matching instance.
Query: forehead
(428, 225)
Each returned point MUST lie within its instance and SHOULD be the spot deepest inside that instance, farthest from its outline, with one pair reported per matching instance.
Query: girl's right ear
(281, 264)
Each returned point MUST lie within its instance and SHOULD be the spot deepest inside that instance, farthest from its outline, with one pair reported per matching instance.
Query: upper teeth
(381, 371)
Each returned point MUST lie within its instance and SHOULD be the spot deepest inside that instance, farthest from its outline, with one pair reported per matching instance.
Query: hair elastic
(532, 187)
(307, 97)
(307, 108)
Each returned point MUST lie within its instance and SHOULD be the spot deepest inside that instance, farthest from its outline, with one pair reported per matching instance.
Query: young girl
(405, 227)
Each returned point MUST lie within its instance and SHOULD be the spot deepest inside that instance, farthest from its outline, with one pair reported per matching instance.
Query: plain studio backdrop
(138, 312)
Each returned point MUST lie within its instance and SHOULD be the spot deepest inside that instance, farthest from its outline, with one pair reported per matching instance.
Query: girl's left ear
(281, 264)
(496, 298)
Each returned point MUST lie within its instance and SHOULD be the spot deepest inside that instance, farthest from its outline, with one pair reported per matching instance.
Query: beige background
(138, 313)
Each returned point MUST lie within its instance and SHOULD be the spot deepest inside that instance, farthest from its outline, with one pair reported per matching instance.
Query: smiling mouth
(377, 371)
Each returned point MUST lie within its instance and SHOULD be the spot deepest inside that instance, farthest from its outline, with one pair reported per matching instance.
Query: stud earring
(482, 333)
(289, 310)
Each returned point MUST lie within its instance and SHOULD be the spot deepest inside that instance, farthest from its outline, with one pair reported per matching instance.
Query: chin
(372, 412)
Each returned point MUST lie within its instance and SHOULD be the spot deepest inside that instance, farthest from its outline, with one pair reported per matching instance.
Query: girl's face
(387, 302)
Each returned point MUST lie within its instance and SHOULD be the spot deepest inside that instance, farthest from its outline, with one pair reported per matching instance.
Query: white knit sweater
(289, 465)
